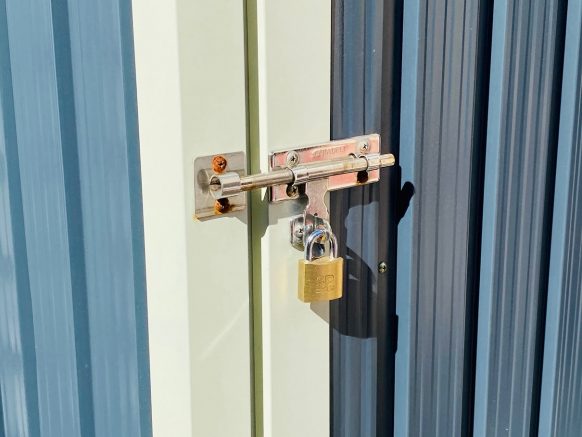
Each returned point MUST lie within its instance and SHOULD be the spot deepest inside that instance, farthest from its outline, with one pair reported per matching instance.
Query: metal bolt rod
(231, 184)
(262, 180)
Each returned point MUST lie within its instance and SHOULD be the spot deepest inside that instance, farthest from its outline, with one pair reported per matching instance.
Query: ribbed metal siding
(519, 183)
(18, 389)
(357, 59)
(479, 131)
(73, 283)
(362, 334)
(440, 152)
(561, 403)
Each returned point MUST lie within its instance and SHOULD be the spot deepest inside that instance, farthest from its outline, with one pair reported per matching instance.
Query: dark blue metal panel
(519, 185)
(353, 346)
(561, 399)
(444, 70)
(75, 325)
(361, 347)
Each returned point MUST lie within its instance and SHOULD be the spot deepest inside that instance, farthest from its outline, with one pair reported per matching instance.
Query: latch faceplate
(296, 159)
(220, 180)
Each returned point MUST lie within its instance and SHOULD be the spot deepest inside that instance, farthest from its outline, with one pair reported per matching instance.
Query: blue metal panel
(106, 114)
(561, 399)
(50, 248)
(355, 110)
(363, 335)
(18, 389)
(405, 255)
(75, 325)
(519, 181)
(444, 64)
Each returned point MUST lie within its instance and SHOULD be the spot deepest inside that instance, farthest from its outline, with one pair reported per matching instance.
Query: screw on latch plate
(219, 163)
(292, 191)
(292, 159)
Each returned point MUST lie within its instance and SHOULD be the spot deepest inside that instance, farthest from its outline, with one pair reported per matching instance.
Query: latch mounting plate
(205, 205)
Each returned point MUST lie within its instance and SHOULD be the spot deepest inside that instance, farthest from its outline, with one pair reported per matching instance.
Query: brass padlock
(320, 279)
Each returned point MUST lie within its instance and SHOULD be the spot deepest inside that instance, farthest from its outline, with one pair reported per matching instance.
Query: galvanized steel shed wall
(444, 79)
(519, 185)
(561, 397)
(365, 96)
(73, 336)
(500, 169)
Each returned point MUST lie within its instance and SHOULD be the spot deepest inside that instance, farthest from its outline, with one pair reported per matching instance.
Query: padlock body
(321, 279)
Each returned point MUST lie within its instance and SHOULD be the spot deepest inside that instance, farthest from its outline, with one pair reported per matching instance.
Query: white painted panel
(191, 100)
(293, 44)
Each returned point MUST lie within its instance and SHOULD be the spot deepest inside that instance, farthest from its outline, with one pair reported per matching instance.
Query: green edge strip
(256, 214)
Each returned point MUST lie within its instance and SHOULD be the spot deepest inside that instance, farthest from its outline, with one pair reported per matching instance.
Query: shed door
(233, 351)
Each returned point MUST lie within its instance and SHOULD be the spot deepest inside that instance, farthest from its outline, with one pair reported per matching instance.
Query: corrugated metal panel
(444, 71)
(74, 323)
(561, 400)
(362, 335)
(355, 110)
(18, 387)
(519, 182)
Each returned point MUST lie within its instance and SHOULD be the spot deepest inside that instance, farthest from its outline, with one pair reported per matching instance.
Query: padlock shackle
(317, 235)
